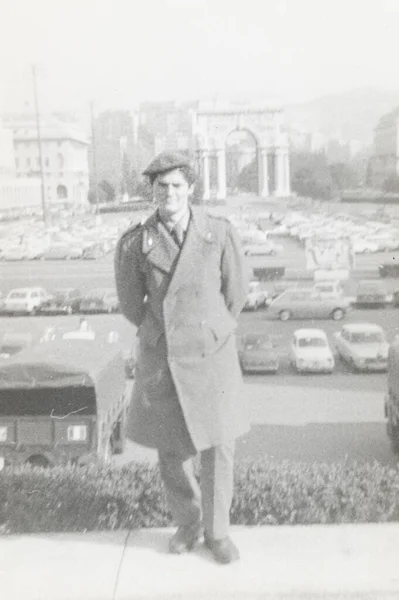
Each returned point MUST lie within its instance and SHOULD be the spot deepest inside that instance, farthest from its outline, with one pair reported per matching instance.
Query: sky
(117, 53)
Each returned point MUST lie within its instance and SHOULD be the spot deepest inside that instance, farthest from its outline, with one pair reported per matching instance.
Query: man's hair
(187, 171)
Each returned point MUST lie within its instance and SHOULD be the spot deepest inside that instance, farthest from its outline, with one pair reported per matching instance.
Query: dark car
(102, 300)
(63, 301)
(395, 298)
(257, 354)
(371, 293)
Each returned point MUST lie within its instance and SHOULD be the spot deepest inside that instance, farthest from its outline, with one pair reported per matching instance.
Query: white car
(263, 249)
(25, 300)
(363, 346)
(311, 352)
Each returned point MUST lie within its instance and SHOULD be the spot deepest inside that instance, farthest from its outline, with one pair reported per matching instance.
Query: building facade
(385, 160)
(16, 194)
(64, 159)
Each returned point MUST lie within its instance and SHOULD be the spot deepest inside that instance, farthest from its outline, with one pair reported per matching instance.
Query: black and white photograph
(199, 300)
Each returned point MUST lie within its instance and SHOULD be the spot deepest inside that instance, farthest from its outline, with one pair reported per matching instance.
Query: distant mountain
(349, 115)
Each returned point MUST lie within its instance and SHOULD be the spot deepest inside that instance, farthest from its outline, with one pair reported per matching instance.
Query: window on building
(47, 161)
(17, 162)
(60, 161)
(28, 162)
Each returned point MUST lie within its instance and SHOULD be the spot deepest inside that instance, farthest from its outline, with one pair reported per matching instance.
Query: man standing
(180, 280)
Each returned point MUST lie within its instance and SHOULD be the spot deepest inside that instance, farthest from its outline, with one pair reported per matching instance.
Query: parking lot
(342, 411)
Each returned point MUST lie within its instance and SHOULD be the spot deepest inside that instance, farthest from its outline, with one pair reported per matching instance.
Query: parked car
(63, 301)
(94, 251)
(13, 253)
(262, 249)
(62, 251)
(257, 353)
(363, 346)
(311, 352)
(25, 300)
(395, 297)
(305, 303)
(371, 293)
(256, 297)
(100, 300)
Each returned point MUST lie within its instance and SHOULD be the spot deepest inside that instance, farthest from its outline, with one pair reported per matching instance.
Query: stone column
(205, 174)
(287, 173)
(279, 172)
(263, 171)
(221, 161)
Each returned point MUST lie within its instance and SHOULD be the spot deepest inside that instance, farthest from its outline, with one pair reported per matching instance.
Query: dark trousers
(210, 499)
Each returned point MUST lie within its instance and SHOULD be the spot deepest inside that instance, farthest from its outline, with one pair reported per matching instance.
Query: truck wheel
(38, 460)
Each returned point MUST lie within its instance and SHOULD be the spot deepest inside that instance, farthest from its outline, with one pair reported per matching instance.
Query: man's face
(171, 192)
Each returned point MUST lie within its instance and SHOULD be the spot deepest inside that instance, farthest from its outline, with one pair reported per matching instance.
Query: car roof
(359, 327)
(310, 332)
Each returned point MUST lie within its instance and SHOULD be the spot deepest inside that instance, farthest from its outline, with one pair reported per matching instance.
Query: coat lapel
(158, 245)
(198, 235)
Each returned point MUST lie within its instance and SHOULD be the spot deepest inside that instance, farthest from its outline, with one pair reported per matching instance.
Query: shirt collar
(183, 222)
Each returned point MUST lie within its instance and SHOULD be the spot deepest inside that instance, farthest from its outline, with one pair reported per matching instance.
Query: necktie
(178, 233)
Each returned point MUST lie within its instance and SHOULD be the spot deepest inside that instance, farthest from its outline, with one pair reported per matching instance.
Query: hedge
(34, 500)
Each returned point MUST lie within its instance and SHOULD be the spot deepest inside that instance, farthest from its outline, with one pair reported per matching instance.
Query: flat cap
(167, 161)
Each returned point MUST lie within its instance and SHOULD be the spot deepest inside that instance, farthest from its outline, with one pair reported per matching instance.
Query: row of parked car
(324, 299)
(65, 241)
(362, 346)
(62, 301)
(367, 236)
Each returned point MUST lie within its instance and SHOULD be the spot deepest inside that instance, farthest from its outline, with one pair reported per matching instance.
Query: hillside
(348, 115)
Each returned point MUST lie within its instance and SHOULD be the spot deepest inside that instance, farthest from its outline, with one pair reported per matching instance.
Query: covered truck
(392, 397)
(63, 401)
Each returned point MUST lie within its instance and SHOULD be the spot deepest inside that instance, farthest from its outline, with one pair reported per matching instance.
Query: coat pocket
(219, 330)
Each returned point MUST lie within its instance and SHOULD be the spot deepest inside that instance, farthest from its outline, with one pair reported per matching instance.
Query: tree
(108, 190)
(247, 179)
(343, 176)
(311, 175)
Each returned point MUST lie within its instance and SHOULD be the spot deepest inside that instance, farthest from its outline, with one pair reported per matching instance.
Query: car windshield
(367, 337)
(312, 342)
(18, 295)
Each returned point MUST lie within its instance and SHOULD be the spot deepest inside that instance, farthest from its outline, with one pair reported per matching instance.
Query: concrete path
(357, 562)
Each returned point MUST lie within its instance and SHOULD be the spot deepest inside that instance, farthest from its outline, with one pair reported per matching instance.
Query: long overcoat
(185, 302)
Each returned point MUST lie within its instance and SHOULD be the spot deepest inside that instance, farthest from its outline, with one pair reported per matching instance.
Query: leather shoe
(223, 550)
(185, 538)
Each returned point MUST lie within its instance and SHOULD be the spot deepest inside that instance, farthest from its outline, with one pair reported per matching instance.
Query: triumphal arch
(212, 125)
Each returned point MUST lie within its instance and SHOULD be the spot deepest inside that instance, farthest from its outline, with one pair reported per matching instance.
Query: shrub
(34, 500)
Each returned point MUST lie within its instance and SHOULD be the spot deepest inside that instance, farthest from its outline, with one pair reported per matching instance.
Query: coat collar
(161, 249)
